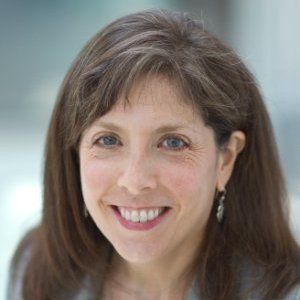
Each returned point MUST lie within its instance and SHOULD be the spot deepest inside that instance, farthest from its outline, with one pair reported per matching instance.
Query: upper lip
(133, 206)
(135, 203)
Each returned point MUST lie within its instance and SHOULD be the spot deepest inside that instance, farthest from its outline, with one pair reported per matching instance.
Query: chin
(140, 253)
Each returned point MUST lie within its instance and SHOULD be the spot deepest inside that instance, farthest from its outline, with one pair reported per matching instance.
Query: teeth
(151, 215)
(135, 216)
(122, 211)
(127, 215)
(142, 216)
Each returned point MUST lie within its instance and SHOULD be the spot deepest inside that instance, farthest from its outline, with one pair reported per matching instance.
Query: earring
(221, 207)
(85, 211)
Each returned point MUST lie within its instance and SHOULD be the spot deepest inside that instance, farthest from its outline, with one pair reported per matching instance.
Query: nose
(137, 175)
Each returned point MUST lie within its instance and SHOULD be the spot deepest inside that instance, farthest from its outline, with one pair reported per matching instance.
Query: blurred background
(39, 40)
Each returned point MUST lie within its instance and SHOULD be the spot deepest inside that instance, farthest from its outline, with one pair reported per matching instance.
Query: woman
(162, 179)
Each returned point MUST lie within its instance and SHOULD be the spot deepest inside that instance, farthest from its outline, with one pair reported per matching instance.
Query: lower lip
(140, 226)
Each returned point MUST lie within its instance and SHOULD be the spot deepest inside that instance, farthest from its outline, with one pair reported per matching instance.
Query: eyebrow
(161, 129)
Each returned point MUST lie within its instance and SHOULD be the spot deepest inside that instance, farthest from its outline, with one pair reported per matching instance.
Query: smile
(140, 219)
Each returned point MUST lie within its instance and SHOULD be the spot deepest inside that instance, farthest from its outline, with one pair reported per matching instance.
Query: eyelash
(105, 146)
(183, 146)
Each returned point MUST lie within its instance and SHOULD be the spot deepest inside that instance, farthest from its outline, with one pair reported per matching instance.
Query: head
(154, 151)
(140, 72)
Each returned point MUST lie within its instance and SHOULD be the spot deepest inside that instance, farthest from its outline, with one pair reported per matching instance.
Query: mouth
(140, 219)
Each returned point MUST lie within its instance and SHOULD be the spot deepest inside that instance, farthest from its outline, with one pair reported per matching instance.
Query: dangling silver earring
(85, 211)
(221, 206)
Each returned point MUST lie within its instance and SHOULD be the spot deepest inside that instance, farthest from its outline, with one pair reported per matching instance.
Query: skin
(180, 168)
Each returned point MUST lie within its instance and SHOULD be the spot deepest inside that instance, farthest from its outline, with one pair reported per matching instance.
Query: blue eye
(107, 141)
(174, 143)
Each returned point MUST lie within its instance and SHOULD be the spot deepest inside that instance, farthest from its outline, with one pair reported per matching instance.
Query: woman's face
(154, 155)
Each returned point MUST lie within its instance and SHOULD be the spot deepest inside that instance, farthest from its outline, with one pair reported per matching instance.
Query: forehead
(158, 98)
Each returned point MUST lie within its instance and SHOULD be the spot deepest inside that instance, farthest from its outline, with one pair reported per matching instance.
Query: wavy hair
(66, 247)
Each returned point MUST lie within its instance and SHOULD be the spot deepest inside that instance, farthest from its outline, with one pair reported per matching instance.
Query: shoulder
(248, 276)
(251, 274)
(16, 274)
(19, 264)
(294, 294)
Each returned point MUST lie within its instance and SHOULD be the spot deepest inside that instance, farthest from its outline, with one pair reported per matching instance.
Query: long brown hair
(66, 247)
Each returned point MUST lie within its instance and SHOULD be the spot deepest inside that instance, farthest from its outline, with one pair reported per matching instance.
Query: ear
(227, 158)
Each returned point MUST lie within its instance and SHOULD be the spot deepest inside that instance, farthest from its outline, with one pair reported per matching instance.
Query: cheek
(95, 177)
(190, 180)
(180, 182)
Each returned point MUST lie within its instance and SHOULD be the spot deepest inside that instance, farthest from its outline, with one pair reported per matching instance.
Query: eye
(174, 143)
(107, 141)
